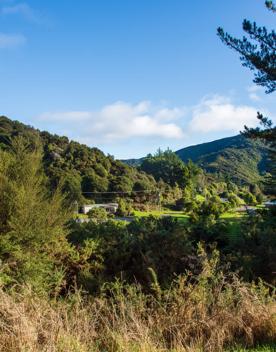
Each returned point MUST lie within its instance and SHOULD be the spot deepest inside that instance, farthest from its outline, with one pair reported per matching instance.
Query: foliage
(255, 247)
(33, 226)
(32, 231)
(188, 202)
(71, 187)
(268, 136)
(249, 198)
(259, 56)
(234, 159)
(98, 215)
(153, 281)
(124, 207)
(129, 250)
(78, 168)
(168, 167)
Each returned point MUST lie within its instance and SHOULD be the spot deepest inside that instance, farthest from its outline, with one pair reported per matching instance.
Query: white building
(109, 207)
(270, 203)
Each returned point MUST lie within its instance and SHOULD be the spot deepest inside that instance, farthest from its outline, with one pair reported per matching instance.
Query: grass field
(231, 215)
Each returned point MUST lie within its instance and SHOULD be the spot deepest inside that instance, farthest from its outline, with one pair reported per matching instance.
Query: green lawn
(231, 215)
(176, 214)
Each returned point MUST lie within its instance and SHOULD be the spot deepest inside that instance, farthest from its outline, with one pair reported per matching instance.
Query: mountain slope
(81, 168)
(237, 158)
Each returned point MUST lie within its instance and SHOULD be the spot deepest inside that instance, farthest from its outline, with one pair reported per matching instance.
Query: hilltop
(237, 158)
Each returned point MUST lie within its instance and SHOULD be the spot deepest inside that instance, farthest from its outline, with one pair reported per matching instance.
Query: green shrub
(98, 215)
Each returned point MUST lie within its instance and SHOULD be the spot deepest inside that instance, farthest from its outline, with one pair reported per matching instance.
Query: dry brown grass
(203, 316)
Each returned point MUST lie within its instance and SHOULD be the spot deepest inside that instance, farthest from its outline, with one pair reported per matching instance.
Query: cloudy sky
(129, 76)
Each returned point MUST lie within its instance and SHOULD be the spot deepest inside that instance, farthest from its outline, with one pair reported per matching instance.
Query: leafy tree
(124, 208)
(167, 166)
(208, 212)
(91, 182)
(259, 198)
(98, 215)
(249, 198)
(122, 184)
(187, 202)
(141, 185)
(71, 187)
(233, 199)
(32, 223)
(268, 135)
(259, 56)
(270, 5)
(100, 170)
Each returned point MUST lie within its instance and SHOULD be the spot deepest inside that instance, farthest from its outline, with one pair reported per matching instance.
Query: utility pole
(76, 206)
(159, 200)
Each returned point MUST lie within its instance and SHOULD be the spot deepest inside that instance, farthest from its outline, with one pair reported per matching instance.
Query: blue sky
(129, 76)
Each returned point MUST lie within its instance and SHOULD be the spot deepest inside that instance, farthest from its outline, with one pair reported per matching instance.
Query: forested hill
(238, 158)
(81, 168)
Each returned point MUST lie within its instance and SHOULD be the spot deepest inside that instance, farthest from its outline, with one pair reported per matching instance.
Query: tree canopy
(167, 166)
(258, 53)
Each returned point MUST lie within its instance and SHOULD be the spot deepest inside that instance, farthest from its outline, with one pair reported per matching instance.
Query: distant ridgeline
(235, 158)
(81, 168)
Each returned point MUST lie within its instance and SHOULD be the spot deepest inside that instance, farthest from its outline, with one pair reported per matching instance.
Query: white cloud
(11, 40)
(120, 121)
(252, 93)
(24, 10)
(125, 122)
(219, 114)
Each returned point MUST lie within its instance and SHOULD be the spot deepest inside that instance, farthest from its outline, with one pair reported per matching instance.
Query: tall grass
(210, 312)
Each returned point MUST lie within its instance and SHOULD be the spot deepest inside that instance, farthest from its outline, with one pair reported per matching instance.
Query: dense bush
(124, 207)
(128, 251)
(98, 215)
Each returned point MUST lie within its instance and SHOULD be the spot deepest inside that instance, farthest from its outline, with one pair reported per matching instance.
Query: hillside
(81, 168)
(237, 158)
(86, 169)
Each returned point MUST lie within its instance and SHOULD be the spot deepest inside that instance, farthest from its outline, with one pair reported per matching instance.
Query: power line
(121, 192)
